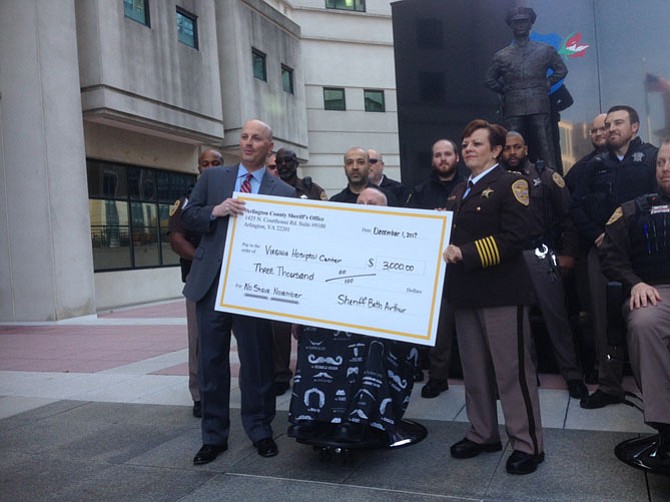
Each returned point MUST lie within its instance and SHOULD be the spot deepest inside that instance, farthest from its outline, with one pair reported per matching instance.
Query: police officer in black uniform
(287, 166)
(553, 248)
(627, 171)
(433, 194)
(636, 252)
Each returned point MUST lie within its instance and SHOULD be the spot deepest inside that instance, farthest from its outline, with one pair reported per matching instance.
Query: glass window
(110, 233)
(168, 256)
(137, 10)
(333, 98)
(374, 101)
(258, 61)
(357, 5)
(187, 28)
(141, 184)
(287, 79)
(144, 228)
(129, 209)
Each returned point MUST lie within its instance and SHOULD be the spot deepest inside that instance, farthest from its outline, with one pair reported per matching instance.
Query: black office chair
(639, 452)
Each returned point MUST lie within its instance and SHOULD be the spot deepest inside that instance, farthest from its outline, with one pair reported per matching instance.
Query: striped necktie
(246, 184)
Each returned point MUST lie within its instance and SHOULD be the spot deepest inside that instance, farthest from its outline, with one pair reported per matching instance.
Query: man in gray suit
(208, 212)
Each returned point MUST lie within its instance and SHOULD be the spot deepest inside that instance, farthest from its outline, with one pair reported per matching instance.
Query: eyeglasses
(373, 161)
(207, 163)
(596, 130)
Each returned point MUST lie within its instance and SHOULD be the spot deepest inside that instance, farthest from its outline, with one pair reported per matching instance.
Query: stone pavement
(98, 409)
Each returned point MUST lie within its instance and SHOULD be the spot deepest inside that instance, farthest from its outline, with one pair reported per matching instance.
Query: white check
(370, 270)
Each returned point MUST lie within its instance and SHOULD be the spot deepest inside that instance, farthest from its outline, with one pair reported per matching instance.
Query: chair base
(407, 433)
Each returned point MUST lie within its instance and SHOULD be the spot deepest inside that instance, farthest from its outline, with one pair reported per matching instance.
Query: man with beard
(625, 172)
(576, 283)
(287, 167)
(433, 194)
(356, 169)
(552, 231)
(376, 176)
(636, 252)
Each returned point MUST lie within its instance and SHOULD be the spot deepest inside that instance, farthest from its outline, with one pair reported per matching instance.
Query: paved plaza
(97, 408)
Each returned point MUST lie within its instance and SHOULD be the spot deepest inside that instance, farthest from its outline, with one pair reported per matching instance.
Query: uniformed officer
(553, 248)
(636, 252)
(184, 244)
(489, 287)
(627, 171)
(287, 168)
(433, 194)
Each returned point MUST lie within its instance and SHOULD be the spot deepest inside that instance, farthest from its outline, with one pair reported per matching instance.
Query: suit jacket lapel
(228, 182)
(267, 183)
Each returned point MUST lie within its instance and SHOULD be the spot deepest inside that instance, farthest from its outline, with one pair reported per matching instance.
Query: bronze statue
(519, 75)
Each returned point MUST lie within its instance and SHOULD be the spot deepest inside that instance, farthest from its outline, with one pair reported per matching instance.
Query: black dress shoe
(280, 388)
(266, 447)
(599, 399)
(349, 432)
(468, 449)
(523, 463)
(434, 388)
(197, 409)
(208, 452)
(577, 389)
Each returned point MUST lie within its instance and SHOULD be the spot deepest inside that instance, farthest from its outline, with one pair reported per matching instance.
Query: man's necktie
(246, 184)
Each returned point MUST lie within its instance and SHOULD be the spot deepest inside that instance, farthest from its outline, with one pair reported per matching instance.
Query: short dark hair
(497, 133)
(632, 112)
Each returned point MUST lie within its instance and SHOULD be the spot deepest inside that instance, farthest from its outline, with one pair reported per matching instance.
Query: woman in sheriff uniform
(489, 287)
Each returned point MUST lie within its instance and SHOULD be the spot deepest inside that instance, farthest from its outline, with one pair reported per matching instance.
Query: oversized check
(363, 269)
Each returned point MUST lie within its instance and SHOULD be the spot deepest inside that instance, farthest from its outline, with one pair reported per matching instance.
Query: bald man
(208, 212)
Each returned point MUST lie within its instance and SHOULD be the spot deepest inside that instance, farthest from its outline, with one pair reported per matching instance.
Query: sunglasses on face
(373, 161)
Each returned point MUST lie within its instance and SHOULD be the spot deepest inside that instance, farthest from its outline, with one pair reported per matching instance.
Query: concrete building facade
(106, 105)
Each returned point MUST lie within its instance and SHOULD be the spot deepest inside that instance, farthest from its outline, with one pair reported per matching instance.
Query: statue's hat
(521, 13)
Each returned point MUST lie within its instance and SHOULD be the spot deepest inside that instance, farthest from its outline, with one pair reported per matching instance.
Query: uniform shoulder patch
(618, 213)
(558, 179)
(520, 191)
(174, 207)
